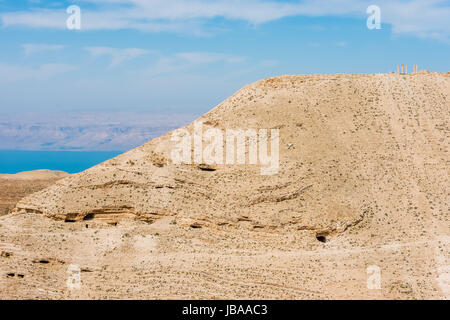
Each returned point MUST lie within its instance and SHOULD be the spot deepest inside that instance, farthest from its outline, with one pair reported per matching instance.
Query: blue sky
(190, 55)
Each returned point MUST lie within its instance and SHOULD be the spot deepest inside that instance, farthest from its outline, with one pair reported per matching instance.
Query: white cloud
(425, 19)
(55, 19)
(209, 57)
(32, 48)
(422, 18)
(14, 73)
(117, 55)
(184, 60)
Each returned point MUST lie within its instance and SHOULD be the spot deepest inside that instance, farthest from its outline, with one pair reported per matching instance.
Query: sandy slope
(35, 175)
(363, 163)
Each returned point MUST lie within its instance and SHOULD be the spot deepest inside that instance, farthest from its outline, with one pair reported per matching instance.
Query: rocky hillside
(362, 180)
(352, 147)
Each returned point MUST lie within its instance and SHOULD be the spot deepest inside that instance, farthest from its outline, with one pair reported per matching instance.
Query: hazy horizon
(86, 131)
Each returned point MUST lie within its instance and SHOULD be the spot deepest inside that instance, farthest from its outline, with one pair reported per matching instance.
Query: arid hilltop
(362, 181)
(13, 187)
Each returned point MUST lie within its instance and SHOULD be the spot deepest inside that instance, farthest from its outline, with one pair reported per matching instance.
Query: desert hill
(14, 187)
(363, 168)
(348, 144)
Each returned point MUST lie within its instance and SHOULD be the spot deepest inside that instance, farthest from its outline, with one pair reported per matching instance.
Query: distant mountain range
(86, 131)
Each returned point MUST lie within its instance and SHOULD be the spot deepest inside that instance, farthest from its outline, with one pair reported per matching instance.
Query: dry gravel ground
(363, 164)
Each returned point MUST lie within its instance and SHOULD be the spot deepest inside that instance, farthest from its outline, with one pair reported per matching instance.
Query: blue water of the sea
(13, 161)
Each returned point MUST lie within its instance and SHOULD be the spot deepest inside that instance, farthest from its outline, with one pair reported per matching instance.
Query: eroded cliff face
(349, 146)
